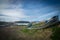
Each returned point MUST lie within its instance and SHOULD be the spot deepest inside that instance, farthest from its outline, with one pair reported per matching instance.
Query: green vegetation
(21, 33)
(56, 33)
(38, 24)
(16, 33)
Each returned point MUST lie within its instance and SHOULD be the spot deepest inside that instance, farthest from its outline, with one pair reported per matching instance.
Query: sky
(28, 10)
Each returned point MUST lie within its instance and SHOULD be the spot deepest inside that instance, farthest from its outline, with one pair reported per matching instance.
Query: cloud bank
(28, 10)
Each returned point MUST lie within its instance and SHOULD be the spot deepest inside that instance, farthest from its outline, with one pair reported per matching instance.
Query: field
(21, 33)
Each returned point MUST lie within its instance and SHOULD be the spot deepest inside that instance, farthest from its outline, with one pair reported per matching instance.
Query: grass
(56, 33)
(21, 33)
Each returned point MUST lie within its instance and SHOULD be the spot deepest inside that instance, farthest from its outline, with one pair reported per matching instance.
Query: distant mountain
(5, 24)
(22, 22)
(35, 21)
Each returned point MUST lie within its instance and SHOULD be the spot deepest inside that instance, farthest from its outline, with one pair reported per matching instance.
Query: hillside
(21, 33)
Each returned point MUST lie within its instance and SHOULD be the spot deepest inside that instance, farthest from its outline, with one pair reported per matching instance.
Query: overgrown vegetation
(56, 33)
(24, 34)
(21, 33)
(38, 24)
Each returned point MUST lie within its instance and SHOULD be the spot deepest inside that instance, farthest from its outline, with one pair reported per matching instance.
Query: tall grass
(21, 33)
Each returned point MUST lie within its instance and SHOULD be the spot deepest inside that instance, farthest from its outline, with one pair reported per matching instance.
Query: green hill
(21, 33)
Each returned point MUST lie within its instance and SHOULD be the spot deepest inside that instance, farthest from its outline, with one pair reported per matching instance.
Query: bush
(56, 33)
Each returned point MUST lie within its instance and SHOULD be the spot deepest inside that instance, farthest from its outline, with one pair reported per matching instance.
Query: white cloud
(6, 18)
(15, 12)
(47, 16)
(12, 12)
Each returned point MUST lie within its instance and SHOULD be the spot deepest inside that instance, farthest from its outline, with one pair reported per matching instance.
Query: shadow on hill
(8, 34)
(56, 32)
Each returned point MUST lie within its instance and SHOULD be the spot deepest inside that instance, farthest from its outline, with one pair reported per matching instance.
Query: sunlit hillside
(36, 25)
(21, 33)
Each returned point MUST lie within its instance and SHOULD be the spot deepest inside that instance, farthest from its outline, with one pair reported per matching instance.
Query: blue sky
(28, 10)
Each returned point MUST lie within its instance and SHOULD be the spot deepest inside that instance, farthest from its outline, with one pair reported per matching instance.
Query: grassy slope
(21, 33)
